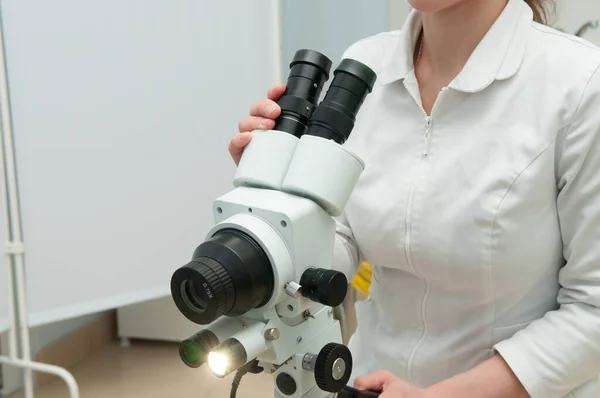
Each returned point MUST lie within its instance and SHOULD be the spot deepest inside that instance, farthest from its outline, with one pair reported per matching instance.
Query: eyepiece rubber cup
(313, 58)
(309, 70)
(335, 116)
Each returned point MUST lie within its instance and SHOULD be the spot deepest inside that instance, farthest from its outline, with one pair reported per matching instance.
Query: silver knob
(293, 289)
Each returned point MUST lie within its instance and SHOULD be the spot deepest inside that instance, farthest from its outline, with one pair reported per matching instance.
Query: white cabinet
(157, 319)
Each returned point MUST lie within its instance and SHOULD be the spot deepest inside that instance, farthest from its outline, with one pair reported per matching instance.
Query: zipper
(408, 225)
(428, 124)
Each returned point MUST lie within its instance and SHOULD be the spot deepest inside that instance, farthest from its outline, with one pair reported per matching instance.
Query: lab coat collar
(498, 56)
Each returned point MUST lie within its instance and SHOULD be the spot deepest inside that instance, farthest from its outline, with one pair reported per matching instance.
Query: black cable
(236, 381)
(241, 372)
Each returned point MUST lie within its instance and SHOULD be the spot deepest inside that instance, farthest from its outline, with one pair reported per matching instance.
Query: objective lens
(229, 275)
(335, 116)
(194, 351)
(309, 71)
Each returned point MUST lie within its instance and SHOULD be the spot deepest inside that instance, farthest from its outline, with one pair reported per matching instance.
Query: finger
(238, 143)
(251, 123)
(265, 108)
(276, 92)
(374, 381)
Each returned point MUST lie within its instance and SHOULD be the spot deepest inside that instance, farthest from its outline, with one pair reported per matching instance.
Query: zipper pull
(427, 134)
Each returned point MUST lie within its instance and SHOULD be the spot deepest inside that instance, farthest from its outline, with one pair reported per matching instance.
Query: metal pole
(15, 249)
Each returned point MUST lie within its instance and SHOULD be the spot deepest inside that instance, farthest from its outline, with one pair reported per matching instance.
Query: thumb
(375, 381)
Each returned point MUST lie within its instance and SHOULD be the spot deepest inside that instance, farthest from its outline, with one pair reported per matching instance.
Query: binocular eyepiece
(335, 116)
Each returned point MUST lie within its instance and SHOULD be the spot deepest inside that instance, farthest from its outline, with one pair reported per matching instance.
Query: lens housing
(194, 350)
(335, 116)
(227, 358)
(309, 70)
(229, 274)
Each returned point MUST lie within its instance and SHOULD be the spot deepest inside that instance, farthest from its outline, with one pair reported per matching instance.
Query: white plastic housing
(295, 233)
(323, 171)
(225, 327)
(253, 340)
(265, 159)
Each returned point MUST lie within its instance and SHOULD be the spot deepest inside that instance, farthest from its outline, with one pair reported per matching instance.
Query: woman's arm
(346, 256)
(561, 351)
(492, 379)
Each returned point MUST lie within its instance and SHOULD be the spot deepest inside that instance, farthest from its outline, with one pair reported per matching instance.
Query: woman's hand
(390, 386)
(261, 117)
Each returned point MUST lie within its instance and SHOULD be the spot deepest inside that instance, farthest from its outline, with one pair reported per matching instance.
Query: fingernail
(243, 136)
(265, 124)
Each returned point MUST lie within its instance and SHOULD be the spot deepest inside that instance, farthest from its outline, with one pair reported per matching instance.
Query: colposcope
(262, 280)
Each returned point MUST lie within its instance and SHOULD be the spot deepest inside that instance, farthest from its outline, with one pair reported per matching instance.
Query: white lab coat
(482, 222)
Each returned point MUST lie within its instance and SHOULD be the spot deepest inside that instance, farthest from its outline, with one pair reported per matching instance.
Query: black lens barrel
(335, 116)
(229, 274)
(309, 70)
(194, 350)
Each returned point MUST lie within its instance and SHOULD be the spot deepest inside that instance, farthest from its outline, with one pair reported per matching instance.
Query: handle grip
(350, 392)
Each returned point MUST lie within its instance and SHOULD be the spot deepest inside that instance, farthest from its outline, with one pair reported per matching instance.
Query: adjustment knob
(324, 286)
(333, 367)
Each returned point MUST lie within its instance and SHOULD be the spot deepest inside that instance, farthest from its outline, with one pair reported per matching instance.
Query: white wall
(572, 14)
(330, 26)
(122, 116)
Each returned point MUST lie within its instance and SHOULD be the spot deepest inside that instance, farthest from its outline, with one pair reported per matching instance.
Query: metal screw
(299, 340)
(306, 314)
(272, 334)
(338, 369)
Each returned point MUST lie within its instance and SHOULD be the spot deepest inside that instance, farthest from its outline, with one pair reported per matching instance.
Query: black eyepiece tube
(335, 116)
(309, 70)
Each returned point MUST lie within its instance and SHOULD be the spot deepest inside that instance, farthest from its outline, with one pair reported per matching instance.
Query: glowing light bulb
(218, 363)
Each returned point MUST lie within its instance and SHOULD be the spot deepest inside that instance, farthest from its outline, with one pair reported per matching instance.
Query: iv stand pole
(14, 248)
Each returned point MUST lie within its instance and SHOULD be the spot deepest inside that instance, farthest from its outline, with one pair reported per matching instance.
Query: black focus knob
(324, 286)
(333, 367)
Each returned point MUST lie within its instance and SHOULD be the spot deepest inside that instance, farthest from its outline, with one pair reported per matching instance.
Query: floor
(150, 370)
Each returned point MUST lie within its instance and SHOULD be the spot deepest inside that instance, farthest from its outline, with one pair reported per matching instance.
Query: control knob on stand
(332, 367)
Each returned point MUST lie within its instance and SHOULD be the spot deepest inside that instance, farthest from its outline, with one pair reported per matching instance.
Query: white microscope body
(288, 189)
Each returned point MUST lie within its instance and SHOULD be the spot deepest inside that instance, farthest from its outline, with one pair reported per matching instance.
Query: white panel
(123, 111)
(330, 26)
(3, 280)
(573, 14)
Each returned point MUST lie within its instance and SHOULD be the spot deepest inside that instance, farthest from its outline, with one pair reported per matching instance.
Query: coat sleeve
(346, 256)
(561, 351)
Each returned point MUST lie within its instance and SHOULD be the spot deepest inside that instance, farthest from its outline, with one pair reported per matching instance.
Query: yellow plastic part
(362, 278)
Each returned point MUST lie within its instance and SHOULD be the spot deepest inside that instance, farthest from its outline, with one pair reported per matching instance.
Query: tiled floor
(150, 370)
